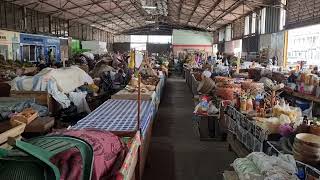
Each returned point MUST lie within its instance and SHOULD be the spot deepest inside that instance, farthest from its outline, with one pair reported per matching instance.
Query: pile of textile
(100, 68)
(11, 106)
(108, 150)
(258, 165)
(57, 82)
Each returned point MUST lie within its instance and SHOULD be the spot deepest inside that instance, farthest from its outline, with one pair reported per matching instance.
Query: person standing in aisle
(51, 57)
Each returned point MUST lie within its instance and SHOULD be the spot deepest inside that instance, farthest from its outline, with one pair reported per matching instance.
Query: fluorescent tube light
(149, 7)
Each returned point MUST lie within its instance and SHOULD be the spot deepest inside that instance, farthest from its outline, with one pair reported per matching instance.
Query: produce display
(227, 91)
(206, 85)
(150, 80)
(258, 112)
(11, 69)
(304, 82)
(26, 116)
(144, 88)
(205, 107)
(252, 88)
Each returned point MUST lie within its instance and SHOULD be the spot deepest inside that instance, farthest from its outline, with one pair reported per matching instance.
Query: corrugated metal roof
(119, 16)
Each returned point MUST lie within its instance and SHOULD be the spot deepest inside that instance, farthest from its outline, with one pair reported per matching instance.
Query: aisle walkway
(175, 152)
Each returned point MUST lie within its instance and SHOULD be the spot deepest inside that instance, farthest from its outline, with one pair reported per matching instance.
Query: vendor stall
(10, 110)
(273, 107)
(124, 94)
(120, 117)
(35, 46)
(259, 165)
(154, 94)
(246, 131)
(9, 45)
(59, 152)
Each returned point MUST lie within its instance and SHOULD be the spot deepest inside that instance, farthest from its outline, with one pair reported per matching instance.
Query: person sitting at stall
(117, 59)
(42, 64)
(225, 61)
(275, 60)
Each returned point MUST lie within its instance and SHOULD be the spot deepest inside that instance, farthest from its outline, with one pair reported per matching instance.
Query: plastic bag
(212, 109)
(284, 119)
(293, 113)
(246, 169)
(274, 166)
(285, 130)
(308, 112)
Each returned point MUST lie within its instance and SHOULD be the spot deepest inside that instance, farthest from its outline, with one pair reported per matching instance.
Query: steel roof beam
(213, 7)
(95, 14)
(41, 1)
(108, 11)
(136, 4)
(179, 10)
(195, 6)
(75, 7)
(234, 6)
(114, 2)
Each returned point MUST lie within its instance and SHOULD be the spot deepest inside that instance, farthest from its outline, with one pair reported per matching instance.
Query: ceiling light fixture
(149, 7)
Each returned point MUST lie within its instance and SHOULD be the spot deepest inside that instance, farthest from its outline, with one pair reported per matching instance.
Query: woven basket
(206, 86)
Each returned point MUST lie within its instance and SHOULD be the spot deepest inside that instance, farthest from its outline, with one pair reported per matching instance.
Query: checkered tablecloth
(118, 115)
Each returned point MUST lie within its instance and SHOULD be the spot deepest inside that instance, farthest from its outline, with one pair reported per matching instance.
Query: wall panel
(186, 37)
(250, 44)
(238, 28)
(17, 18)
(158, 48)
(121, 47)
(272, 20)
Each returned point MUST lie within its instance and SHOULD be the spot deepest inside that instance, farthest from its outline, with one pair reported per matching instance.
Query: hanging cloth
(131, 60)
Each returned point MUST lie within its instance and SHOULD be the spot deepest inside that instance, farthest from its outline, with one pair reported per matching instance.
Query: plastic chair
(40, 151)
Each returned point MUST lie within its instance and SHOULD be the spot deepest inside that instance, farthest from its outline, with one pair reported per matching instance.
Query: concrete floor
(176, 153)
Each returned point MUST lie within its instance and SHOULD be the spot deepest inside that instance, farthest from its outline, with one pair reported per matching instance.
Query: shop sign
(32, 39)
(3, 36)
(9, 36)
(53, 41)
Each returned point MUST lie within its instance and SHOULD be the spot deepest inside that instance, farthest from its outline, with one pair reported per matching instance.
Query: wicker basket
(206, 86)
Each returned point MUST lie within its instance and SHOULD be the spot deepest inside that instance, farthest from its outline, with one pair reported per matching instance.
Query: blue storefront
(33, 46)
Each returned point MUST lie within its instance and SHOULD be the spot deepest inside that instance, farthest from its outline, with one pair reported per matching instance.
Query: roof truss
(119, 16)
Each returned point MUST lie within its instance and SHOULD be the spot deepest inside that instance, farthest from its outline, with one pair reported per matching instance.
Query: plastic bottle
(249, 105)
